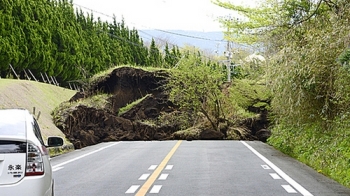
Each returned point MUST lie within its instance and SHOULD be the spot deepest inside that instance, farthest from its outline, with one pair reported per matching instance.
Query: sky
(189, 15)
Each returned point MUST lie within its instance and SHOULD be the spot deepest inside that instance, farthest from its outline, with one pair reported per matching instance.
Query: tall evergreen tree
(168, 59)
(49, 36)
(155, 57)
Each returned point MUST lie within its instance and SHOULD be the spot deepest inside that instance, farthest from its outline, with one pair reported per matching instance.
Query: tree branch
(310, 16)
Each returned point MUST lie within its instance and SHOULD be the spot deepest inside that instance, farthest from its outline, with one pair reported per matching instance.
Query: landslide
(130, 104)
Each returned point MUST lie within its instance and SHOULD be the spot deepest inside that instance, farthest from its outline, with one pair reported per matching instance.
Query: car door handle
(2, 157)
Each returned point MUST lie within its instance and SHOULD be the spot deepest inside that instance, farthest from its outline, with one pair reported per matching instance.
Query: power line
(136, 44)
(190, 36)
(139, 45)
(93, 10)
(164, 31)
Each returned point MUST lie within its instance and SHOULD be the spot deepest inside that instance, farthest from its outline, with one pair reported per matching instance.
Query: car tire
(53, 188)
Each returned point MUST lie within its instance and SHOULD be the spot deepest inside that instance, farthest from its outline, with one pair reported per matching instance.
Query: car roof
(13, 123)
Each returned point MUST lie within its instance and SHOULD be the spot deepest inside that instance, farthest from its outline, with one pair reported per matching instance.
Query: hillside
(29, 94)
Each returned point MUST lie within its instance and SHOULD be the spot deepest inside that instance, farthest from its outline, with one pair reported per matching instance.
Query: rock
(263, 134)
(209, 134)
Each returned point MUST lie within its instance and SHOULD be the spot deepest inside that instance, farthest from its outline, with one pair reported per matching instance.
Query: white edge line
(292, 182)
(82, 156)
(57, 168)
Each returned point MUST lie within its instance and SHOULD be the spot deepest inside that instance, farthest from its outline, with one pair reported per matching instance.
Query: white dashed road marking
(155, 189)
(144, 176)
(289, 189)
(132, 189)
(163, 176)
(265, 166)
(169, 167)
(152, 167)
(275, 176)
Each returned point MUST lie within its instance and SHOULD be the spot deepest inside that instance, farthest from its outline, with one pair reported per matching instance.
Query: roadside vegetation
(202, 90)
(306, 43)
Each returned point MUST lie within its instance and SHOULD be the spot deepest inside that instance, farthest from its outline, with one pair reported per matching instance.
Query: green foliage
(184, 120)
(49, 36)
(305, 72)
(252, 24)
(195, 86)
(327, 152)
(252, 69)
(308, 73)
(249, 93)
(99, 101)
(155, 58)
(189, 134)
(344, 59)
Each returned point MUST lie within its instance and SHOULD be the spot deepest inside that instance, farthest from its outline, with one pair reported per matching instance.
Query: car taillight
(35, 165)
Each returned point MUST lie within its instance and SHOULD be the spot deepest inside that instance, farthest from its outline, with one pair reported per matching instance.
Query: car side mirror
(54, 141)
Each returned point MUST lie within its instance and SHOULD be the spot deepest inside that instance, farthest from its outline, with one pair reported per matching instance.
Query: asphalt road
(187, 168)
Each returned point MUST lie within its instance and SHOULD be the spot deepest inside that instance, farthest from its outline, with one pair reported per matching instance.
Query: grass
(108, 71)
(129, 106)
(41, 96)
(191, 133)
(98, 101)
(327, 152)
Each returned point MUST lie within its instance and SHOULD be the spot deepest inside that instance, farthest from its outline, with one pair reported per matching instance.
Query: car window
(37, 132)
(11, 127)
(12, 147)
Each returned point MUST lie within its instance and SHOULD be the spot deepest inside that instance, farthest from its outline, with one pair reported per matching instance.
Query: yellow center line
(145, 187)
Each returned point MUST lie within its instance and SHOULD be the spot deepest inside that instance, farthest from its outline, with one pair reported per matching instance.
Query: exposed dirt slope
(84, 125)
(29, 94)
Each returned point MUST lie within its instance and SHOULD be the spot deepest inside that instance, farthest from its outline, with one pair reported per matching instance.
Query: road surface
(187, 168)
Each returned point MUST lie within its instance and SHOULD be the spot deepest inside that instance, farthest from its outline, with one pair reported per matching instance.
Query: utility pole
(217, 49)
(228, 62)
(228, 55)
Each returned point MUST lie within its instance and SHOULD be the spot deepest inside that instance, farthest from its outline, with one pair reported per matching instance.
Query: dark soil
(85, 126)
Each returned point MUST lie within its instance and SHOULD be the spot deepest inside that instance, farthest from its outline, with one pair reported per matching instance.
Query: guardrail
(44, 78)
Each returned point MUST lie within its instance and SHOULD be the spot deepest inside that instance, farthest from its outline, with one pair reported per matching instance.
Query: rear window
(12, 147)
(10, 127)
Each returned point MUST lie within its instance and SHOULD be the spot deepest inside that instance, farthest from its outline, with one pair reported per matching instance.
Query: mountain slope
(29, 94)
(207, 41)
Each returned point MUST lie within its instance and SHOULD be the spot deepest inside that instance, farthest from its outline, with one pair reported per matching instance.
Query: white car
(25, 168)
